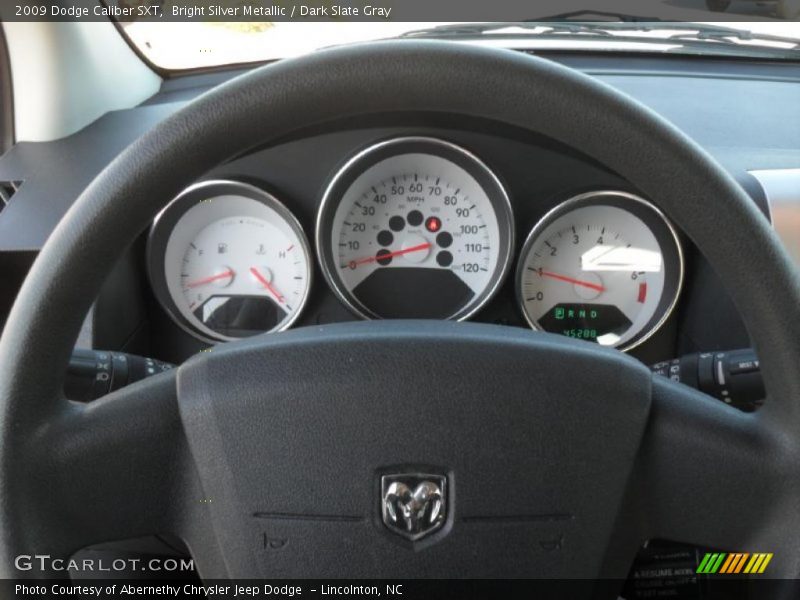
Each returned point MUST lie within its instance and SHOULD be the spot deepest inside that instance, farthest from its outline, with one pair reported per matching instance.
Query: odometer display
(415, 228)
(605, 267)
(585, 321)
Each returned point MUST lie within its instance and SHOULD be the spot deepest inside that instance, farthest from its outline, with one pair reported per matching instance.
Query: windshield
(197, 44)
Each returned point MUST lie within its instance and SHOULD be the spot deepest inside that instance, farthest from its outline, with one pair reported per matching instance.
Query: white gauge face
(236, 265)
(598, 272)
(416, 235)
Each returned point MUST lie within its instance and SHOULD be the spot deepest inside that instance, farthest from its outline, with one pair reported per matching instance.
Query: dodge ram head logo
(413, 504)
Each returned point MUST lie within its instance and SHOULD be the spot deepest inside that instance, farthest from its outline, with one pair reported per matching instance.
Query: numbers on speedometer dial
(605, 267)
(415, 228)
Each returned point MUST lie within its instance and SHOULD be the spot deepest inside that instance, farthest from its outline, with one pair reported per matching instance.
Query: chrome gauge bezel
(363, 160)
(650, 215)
(165, 222)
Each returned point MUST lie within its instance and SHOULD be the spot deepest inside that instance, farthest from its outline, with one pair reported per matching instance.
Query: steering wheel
(265, 455)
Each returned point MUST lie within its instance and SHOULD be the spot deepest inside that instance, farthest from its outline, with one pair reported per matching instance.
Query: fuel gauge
(228, 260)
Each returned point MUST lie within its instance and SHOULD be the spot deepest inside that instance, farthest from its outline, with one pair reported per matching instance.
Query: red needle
(591, 286)
(369, 259)
(272, 290)
(206, 280)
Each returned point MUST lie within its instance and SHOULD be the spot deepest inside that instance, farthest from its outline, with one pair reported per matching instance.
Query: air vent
(7, 190)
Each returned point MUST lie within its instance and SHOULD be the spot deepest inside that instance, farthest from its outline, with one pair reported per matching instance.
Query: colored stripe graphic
(727, 564)
(712, 559)
(711, 562)
(739, 564)
(734, 562)
(730, 565)
(755, 560)
(715, 567)
(764, 564)
(701, 568)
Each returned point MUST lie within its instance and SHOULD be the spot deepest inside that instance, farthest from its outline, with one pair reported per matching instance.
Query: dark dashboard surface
(744, 114)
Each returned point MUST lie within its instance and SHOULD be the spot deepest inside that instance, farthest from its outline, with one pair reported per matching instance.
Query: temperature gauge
(605, 267)
(228, 260)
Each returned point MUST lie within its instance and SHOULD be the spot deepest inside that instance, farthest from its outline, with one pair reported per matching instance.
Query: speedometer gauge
(415, 228)
(227, 260)
(605, 266)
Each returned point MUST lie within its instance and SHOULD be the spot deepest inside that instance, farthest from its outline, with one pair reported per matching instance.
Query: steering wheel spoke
(114, 469)
(716, 477)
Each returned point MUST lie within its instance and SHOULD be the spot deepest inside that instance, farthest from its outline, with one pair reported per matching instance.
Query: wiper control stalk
(733, 377)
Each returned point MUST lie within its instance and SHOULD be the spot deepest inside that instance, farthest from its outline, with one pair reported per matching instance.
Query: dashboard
(416, 216)
(414, 227)
(401, 216)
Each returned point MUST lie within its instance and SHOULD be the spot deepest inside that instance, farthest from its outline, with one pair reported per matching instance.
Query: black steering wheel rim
(272, 102)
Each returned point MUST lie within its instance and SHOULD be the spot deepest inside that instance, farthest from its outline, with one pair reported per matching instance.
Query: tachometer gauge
(605, 267)
(227, 260)
(415, 228)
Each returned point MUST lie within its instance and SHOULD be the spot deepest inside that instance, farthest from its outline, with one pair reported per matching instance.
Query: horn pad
(294, 436)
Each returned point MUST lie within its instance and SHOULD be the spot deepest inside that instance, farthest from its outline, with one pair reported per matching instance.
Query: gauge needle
(206, 280)
(272, 290)
(369, 259)
(591, 286)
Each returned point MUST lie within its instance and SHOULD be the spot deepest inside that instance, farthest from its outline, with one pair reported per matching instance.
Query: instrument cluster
(415, 228)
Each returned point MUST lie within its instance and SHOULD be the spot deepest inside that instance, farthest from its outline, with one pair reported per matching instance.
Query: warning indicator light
(433, 224)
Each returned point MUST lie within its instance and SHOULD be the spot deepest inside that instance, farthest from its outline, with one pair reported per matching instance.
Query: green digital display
(585, 321)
